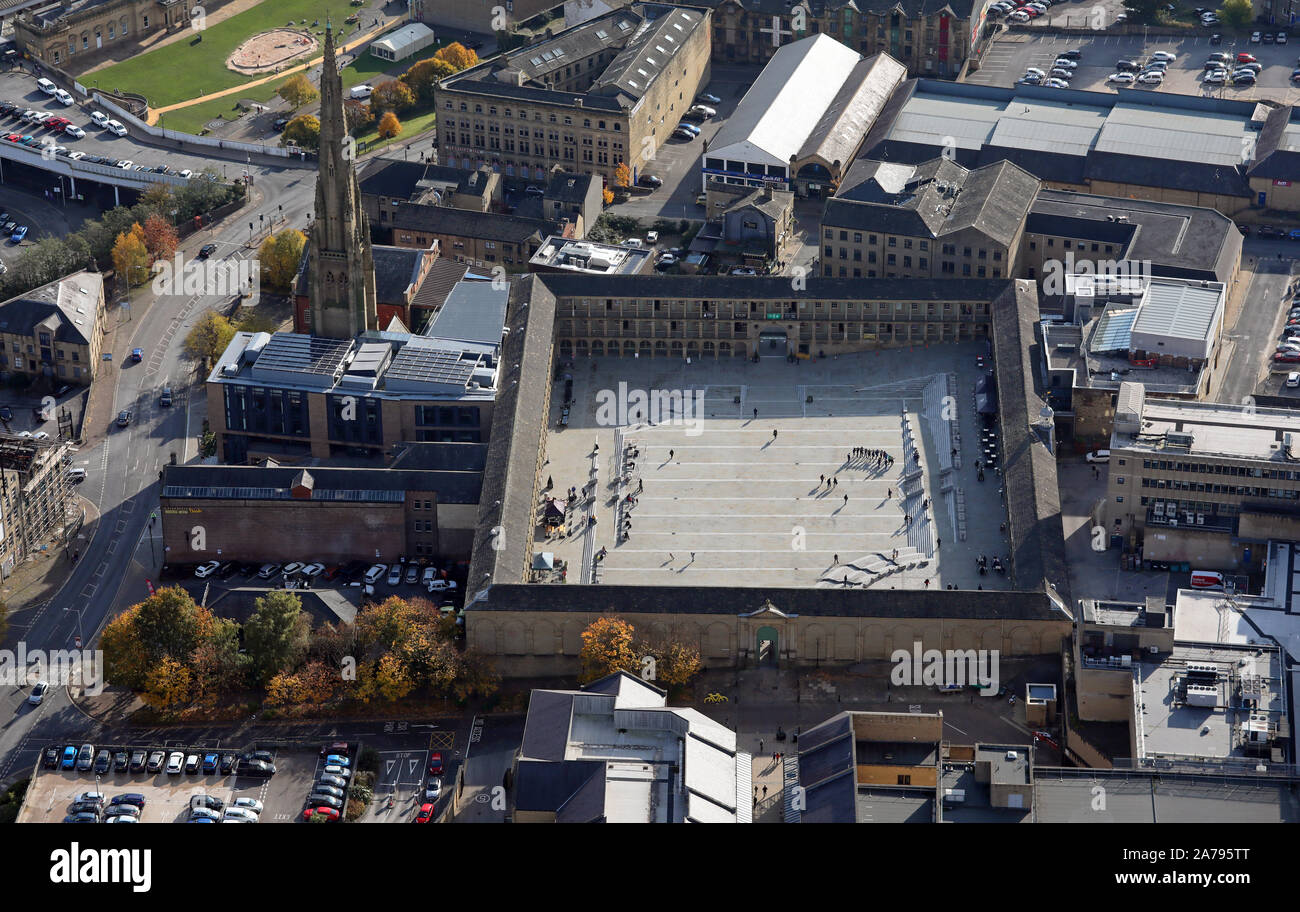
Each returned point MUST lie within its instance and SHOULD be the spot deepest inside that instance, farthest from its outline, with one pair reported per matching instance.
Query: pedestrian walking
(692, 557)
(835, 481)
(755, 413)
(765, 791)
(550, 482)
(846, 500)
(670, 454)
(821, 480)
(835, 559)
(937, 542)
(889, 494)
(670, 557)
(760, 750)
(895, 557)
(773, 433)
(927, 584)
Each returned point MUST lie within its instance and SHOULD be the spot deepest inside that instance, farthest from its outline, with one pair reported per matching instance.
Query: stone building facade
(71, 34)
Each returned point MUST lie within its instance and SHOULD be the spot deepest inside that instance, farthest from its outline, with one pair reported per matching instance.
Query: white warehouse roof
(785, 103)
(398, 41)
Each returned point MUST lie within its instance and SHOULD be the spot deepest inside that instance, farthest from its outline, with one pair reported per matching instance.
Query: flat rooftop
(724, 502)
(1168, 726)
(1211, 429)
(1066, 796)
(589, 257)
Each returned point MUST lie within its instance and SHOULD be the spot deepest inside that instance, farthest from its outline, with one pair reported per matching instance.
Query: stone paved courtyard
(722, 501)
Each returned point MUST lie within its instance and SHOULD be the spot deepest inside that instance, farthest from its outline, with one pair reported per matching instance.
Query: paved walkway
(721, 497)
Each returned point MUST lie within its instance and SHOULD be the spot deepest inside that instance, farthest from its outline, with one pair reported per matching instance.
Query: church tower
(340, 264)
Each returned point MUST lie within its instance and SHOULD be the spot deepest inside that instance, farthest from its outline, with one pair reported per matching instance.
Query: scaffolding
(34, 495)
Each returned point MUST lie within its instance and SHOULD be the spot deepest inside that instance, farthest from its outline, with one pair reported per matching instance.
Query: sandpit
(267, 52)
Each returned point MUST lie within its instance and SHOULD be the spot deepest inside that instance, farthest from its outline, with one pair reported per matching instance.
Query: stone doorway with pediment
(764, 632)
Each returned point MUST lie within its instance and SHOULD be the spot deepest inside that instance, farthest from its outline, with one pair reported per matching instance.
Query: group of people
(875, 457)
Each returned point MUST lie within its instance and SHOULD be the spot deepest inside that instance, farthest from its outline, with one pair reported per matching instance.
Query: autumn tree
(423, 77)
(389, 126)
(607, 196)
(160, 238)
(607, 647)
(477, 676)
(209, 338)
(298, 91)
(276, 634)
(131, 255)
(457, 56)
(280, 256)
(675, 664)
(167, 686)
(622, 175)
(303, 130)
(356, 115)
(393, 95)
(315, 684)
(217, 665)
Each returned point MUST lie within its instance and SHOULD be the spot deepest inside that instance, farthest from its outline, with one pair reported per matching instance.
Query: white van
(46, 86)
(1207, 579)
(1099, 456)
(361, 91)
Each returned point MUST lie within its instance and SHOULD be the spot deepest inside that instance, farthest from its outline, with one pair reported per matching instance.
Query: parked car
(134, 798)
(74, 131)
(50, 757)
(708, 99)
(313, 570)
(339, 772)
(238, 813)
(1098, 456)
(121, 760)
(412, 574)
(207, 802)
(211, 762)
(327, 813)
(258, 768)
(251, 804)
(103, 762)
(324, 789)
(204, 570)
(268, 571)
(229, 764)
(175, 763)
(156, 761)
(116, 128)
(336, 781)
(69, 757)
(425, 814)
(85, 757)
(1120, 78)
(19, 233)
(649, 180)
(138, 759)
(319, 799)
(1254, 37)
(375, 574)
(395, 575)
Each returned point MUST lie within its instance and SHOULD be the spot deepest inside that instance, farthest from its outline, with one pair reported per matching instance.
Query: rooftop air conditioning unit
(1012, 755)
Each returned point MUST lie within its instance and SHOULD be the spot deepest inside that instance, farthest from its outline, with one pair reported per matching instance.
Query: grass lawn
(184, 70)
(415, 125)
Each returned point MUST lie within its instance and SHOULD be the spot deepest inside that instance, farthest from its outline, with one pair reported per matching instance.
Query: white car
(361, 91)
(433, 790)
(41, 435)
(38, 693)
(99, 119)
(1167, 56)
(441, 585)
(1056, 83)
(1254, 37)
(1152, 78)
(704, 109)
(175, 763)
(240, 813)
(1060, 73)
(335, 770)
(1281, 37)
(375, 574)
(313, 570)
(63, 97)
(1019, 16)
(292, 567)
(115, 127)
(1099, 456)
(652, 237)
(248, 804)
(206, 813)
(203, 571)
(1292, 381)
(1035, 71)
(1121, 78)
(74, 131)
(126, 164)
(395, 575)
(1065, 63)
(1215, 76)
(186, 173)
(76, 156)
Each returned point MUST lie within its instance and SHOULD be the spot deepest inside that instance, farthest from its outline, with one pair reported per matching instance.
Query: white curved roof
(785, 103)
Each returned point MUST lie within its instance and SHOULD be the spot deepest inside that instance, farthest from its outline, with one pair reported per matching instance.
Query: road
(1254, 336)
(123, 467)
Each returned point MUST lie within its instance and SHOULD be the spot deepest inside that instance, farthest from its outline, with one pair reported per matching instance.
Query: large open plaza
(854, 471)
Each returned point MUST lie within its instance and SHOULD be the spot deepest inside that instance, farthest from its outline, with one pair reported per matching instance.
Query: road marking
(103, 568)
(89, 591)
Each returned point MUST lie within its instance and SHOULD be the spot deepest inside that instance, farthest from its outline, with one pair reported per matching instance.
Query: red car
(435, 763)
(330, 815)
(425, 815)
(57, 123)
(1287, 357)
(1243, 57)
(13, 137)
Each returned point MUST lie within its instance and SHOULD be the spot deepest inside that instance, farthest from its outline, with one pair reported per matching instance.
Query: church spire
(341, 264)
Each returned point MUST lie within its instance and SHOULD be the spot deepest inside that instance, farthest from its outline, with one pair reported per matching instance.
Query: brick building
(54, 331)
(608, 91)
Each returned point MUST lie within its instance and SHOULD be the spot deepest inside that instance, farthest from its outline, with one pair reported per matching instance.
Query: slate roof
(516, 439)
(71, 303)
(1029, 473)
(564, 187)
(487, 226)
(777, 288)
(1276, 155)
(962, 604)
(912, 9)
(459, 487)
(844, 124)
(396, 270)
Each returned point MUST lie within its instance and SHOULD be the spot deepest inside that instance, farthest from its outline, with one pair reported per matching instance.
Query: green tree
(423, 77)
(1143, 12)
(303, 130)
(170, 623)
(1237, 14)
(209, 338)
(276, 635)
(298, 91)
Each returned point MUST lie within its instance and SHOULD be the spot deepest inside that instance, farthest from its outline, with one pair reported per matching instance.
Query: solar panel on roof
(624, 25)
(559, 52)
(547, 55)
(536, 61)
(602, 34)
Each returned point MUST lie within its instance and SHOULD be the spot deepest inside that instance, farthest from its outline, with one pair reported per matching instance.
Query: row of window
(1233, 490)
(1074, 245)
(1209, 468)
(587, 122)
(1195, 506)
(114, 29)
(32, 366)
(946, 268)
(869, 307)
